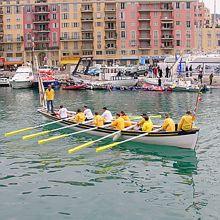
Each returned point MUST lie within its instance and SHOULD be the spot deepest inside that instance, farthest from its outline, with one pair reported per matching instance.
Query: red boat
(74, 87)
(150, 87)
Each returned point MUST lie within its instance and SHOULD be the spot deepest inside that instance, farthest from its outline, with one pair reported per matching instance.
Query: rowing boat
(179, 139)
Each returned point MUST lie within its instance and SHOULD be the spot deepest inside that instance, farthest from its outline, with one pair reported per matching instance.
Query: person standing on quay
(50, 97)
(211, 79)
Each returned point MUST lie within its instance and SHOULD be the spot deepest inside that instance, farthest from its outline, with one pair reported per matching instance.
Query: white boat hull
(21, 84)
(116, 83)
(185, 140)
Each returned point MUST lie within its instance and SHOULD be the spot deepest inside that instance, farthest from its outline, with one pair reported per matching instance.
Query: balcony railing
(144, 28)
(144, 37)
(41, 21)
(70, 39)
(144, 46)
(144, 18)
(41, 48)
(167, 37)
(41, 30)
(110, 9)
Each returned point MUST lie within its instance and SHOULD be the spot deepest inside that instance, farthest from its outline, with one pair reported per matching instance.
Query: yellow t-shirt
(50, 94)
(119, 124)
(186, 123)
(147, 126)
(127, 121)
(99, 121)
(80, 117)
(168, 125)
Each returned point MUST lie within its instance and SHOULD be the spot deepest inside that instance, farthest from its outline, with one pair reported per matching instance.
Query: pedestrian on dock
(211, 79)
(50, 98)
(167, 72)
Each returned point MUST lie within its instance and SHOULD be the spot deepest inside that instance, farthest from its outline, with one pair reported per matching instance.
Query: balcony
(145, 37)
(144, 46)
(37, 48)
(110, 38)
(167, 37)
(165, 19)
(41, 21)
(15, 40)
(1, 20)
(110, 7)
(167, 47)
(46, 30)
(110, 28)
(144, 28)
(42, 40)
(41, 11)
(144, 18)
(87, 9)
(87, 19)
(144, 8)
(87, 38)
(87, 29)
(167, 27)
(70, 39)
(110, 18)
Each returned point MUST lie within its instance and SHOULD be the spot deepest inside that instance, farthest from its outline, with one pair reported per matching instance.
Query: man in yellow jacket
(126, 119)
(168, 124)
(186, 122)
(119, 122)
(50, 97)
(98, 120)
(80, 117)
(148, 125)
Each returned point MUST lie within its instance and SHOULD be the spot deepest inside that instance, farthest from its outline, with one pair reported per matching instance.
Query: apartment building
(58, 31)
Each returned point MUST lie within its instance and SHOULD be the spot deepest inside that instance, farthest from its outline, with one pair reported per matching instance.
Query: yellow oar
(109, 146)
(8, 134)
(31, 136)
(67, 135)
(80, 147)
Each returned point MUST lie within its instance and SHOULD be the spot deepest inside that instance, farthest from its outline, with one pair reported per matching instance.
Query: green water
(130, 182)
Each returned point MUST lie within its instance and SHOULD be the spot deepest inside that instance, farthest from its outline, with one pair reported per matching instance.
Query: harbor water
(133, 181)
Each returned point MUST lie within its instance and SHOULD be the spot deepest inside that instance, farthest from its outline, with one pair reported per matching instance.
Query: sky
(210, 5)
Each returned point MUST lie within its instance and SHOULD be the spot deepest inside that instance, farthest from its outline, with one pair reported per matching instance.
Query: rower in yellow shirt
(148, 125)
(50, 97)
(168, 124)
(119, 122)
(186, 122)
(126, 119)
(142, 121)
(80, 117)
(98, 120)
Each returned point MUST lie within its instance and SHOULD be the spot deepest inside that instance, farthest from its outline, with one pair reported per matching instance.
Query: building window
(155, 34)
(122, 34)
(8, 26)
(98, 6)
(177, 5)
(133, 52)
(75, 45)
(17, 10)
(55, 25)
(65, 16)
(122, 15)
(54, 16)
(155, 14)
(18, 47)
(188, 43)
(98, 52)
(218, 43)
(178, 43)
(178, 23)
(8, 10)
(133, 35)
(188, 24)
(122, 24)
(98, 24)
(187, 5)
(156, 43)
(122, 5)
(65, 7)
(65, 45)
(75, 24)
(65, 25)
(123, 52)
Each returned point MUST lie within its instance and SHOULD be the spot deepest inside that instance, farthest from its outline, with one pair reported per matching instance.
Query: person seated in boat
(107, 115)
(88, 113)
(80, 117)
(126, 119)
(148, 125)
(62, 113)
(186, 122)
(119, 122)
(168, 124)
(98, 120)
(142, 121)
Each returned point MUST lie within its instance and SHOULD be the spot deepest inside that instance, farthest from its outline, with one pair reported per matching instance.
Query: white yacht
(23, 78)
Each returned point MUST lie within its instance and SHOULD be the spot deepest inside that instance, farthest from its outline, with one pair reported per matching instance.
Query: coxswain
(148, 125)
(98, 120)
(186, 122)
(126, 119)
(168, 124)
(62, 113)
(107, 115)
(88, 113)
(50, 97)
(80, 117)
(119, 122)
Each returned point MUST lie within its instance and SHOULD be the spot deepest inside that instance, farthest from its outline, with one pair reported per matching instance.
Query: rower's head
(61, 106)
(79, 110)
(49, 87)
(122, 113)
(85, 107)
(167, 115)
(146, 118)
(188, 112)
(118, 115)
(96, 113)
(104, 109)
(144, 115)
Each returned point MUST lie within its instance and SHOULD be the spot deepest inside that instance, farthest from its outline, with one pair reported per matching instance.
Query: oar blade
(31, 136)
(17, 131)
(80, 147)
(106, 147)
(44, 141)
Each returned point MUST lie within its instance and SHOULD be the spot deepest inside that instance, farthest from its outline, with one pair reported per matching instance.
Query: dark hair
(123, 113)
(188, 112)
(144, 114)
(146, 118)
(104, 108)
(61, 106)
(79, 110)
(96, 113)
(117, 114)
(167, 115)
(85, 106)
